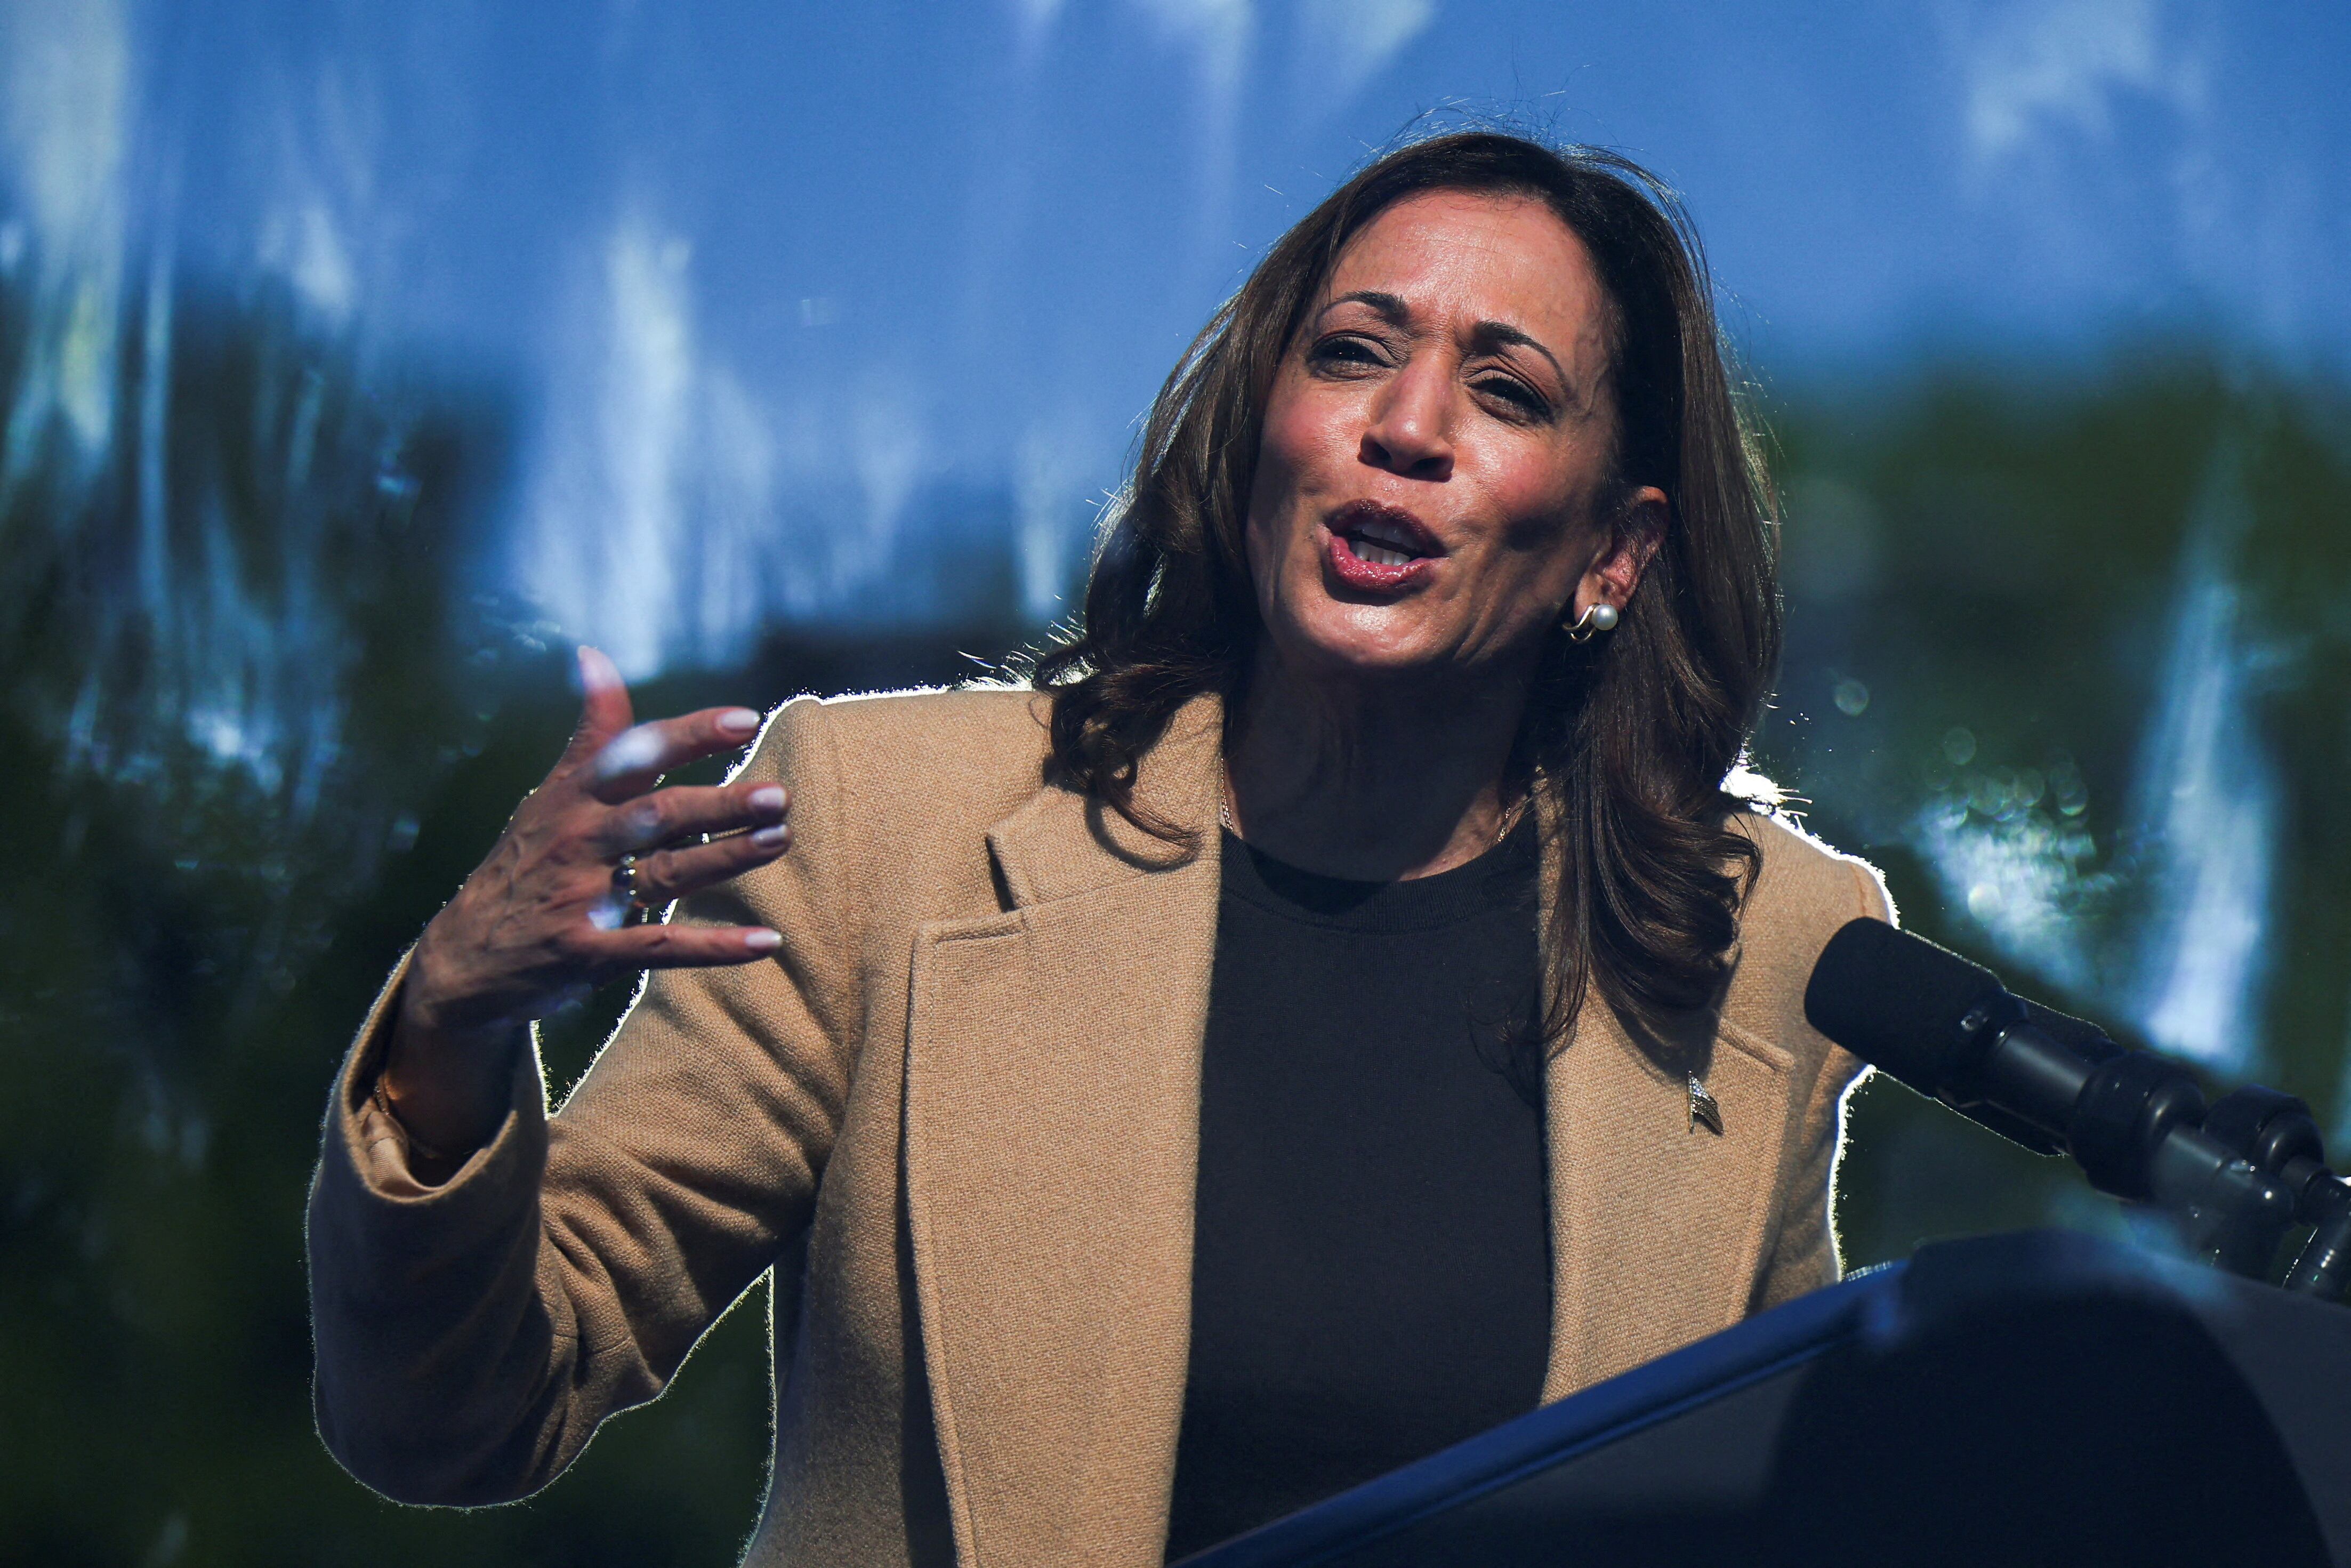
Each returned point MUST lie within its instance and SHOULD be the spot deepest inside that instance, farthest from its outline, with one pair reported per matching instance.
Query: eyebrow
(1392, 309)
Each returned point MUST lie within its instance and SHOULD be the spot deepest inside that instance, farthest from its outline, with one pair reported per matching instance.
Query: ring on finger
(628, 885)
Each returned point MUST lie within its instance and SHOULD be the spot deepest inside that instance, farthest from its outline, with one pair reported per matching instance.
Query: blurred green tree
(261, 730)
(1990, 569)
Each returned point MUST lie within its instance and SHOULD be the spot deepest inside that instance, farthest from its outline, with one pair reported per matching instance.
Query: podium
(2038, 1397)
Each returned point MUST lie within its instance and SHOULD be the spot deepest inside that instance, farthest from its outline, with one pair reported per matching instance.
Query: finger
(668, 874)
(684, 947)
(633, 761)
(604, 708)
(668, 815)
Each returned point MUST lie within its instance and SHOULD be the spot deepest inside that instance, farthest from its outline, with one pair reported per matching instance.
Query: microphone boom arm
(2235, 1177)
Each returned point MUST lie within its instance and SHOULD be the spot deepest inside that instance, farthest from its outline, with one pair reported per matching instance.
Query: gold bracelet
(416, 1145)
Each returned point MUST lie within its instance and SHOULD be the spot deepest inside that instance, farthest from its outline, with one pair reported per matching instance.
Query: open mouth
(1381, 536)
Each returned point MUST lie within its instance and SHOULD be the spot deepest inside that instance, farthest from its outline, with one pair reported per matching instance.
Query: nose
(1411, 433)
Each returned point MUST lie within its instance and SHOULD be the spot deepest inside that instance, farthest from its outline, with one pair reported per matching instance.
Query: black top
(1371, 1272)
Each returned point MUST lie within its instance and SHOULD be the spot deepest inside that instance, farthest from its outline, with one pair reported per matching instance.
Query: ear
(1624, 553)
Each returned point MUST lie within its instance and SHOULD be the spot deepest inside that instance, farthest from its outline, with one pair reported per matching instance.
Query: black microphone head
(1897, 1001)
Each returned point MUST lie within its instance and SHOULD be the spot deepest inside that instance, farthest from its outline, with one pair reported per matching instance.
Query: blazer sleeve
(470, 1336)
(1803, 1255)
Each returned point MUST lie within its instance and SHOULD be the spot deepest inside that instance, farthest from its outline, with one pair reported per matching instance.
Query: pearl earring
(1600, 617)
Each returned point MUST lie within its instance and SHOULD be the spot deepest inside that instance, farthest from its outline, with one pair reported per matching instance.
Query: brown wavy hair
(1631, 736)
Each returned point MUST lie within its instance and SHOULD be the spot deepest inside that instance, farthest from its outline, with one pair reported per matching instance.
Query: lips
(1379, 549)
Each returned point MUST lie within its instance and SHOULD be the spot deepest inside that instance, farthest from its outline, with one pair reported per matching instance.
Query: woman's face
(1436, 448)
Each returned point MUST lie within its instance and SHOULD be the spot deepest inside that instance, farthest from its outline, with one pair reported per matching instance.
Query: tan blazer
(958, 1115)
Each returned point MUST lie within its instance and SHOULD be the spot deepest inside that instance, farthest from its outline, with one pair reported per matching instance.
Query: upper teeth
(1384, 543)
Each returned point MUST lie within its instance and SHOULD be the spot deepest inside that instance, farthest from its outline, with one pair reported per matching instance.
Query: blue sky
(767, 280)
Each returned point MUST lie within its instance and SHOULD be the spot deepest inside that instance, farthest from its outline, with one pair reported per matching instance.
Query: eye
(1344, 351)
(1521, 397)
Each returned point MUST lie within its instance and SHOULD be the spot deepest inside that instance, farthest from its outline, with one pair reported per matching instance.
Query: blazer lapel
(1657, 1211)
(1052, 1128)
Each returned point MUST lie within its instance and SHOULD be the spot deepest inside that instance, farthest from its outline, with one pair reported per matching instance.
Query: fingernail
(767, 798)
(631, 751)
(597, 670)
(770, 838)
(759, 939)
(739, 721)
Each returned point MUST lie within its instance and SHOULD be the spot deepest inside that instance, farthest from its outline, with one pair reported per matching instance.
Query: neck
(1372, 779)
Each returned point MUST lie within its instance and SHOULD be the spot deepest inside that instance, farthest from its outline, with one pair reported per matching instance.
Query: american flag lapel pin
(1703, 1110)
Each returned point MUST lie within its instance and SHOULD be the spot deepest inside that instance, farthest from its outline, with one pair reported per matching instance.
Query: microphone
(2134, 1120)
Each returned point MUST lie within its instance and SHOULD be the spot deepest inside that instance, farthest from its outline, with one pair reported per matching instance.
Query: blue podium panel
(2042, 1397)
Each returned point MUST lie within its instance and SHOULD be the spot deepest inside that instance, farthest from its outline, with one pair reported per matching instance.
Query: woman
(1334, 1007)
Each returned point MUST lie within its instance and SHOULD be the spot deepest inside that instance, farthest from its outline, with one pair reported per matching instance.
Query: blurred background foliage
(1990, 569)
(2069, 643)
(2067, 658)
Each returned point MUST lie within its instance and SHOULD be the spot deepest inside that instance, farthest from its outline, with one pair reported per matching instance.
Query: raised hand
(551, 914)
